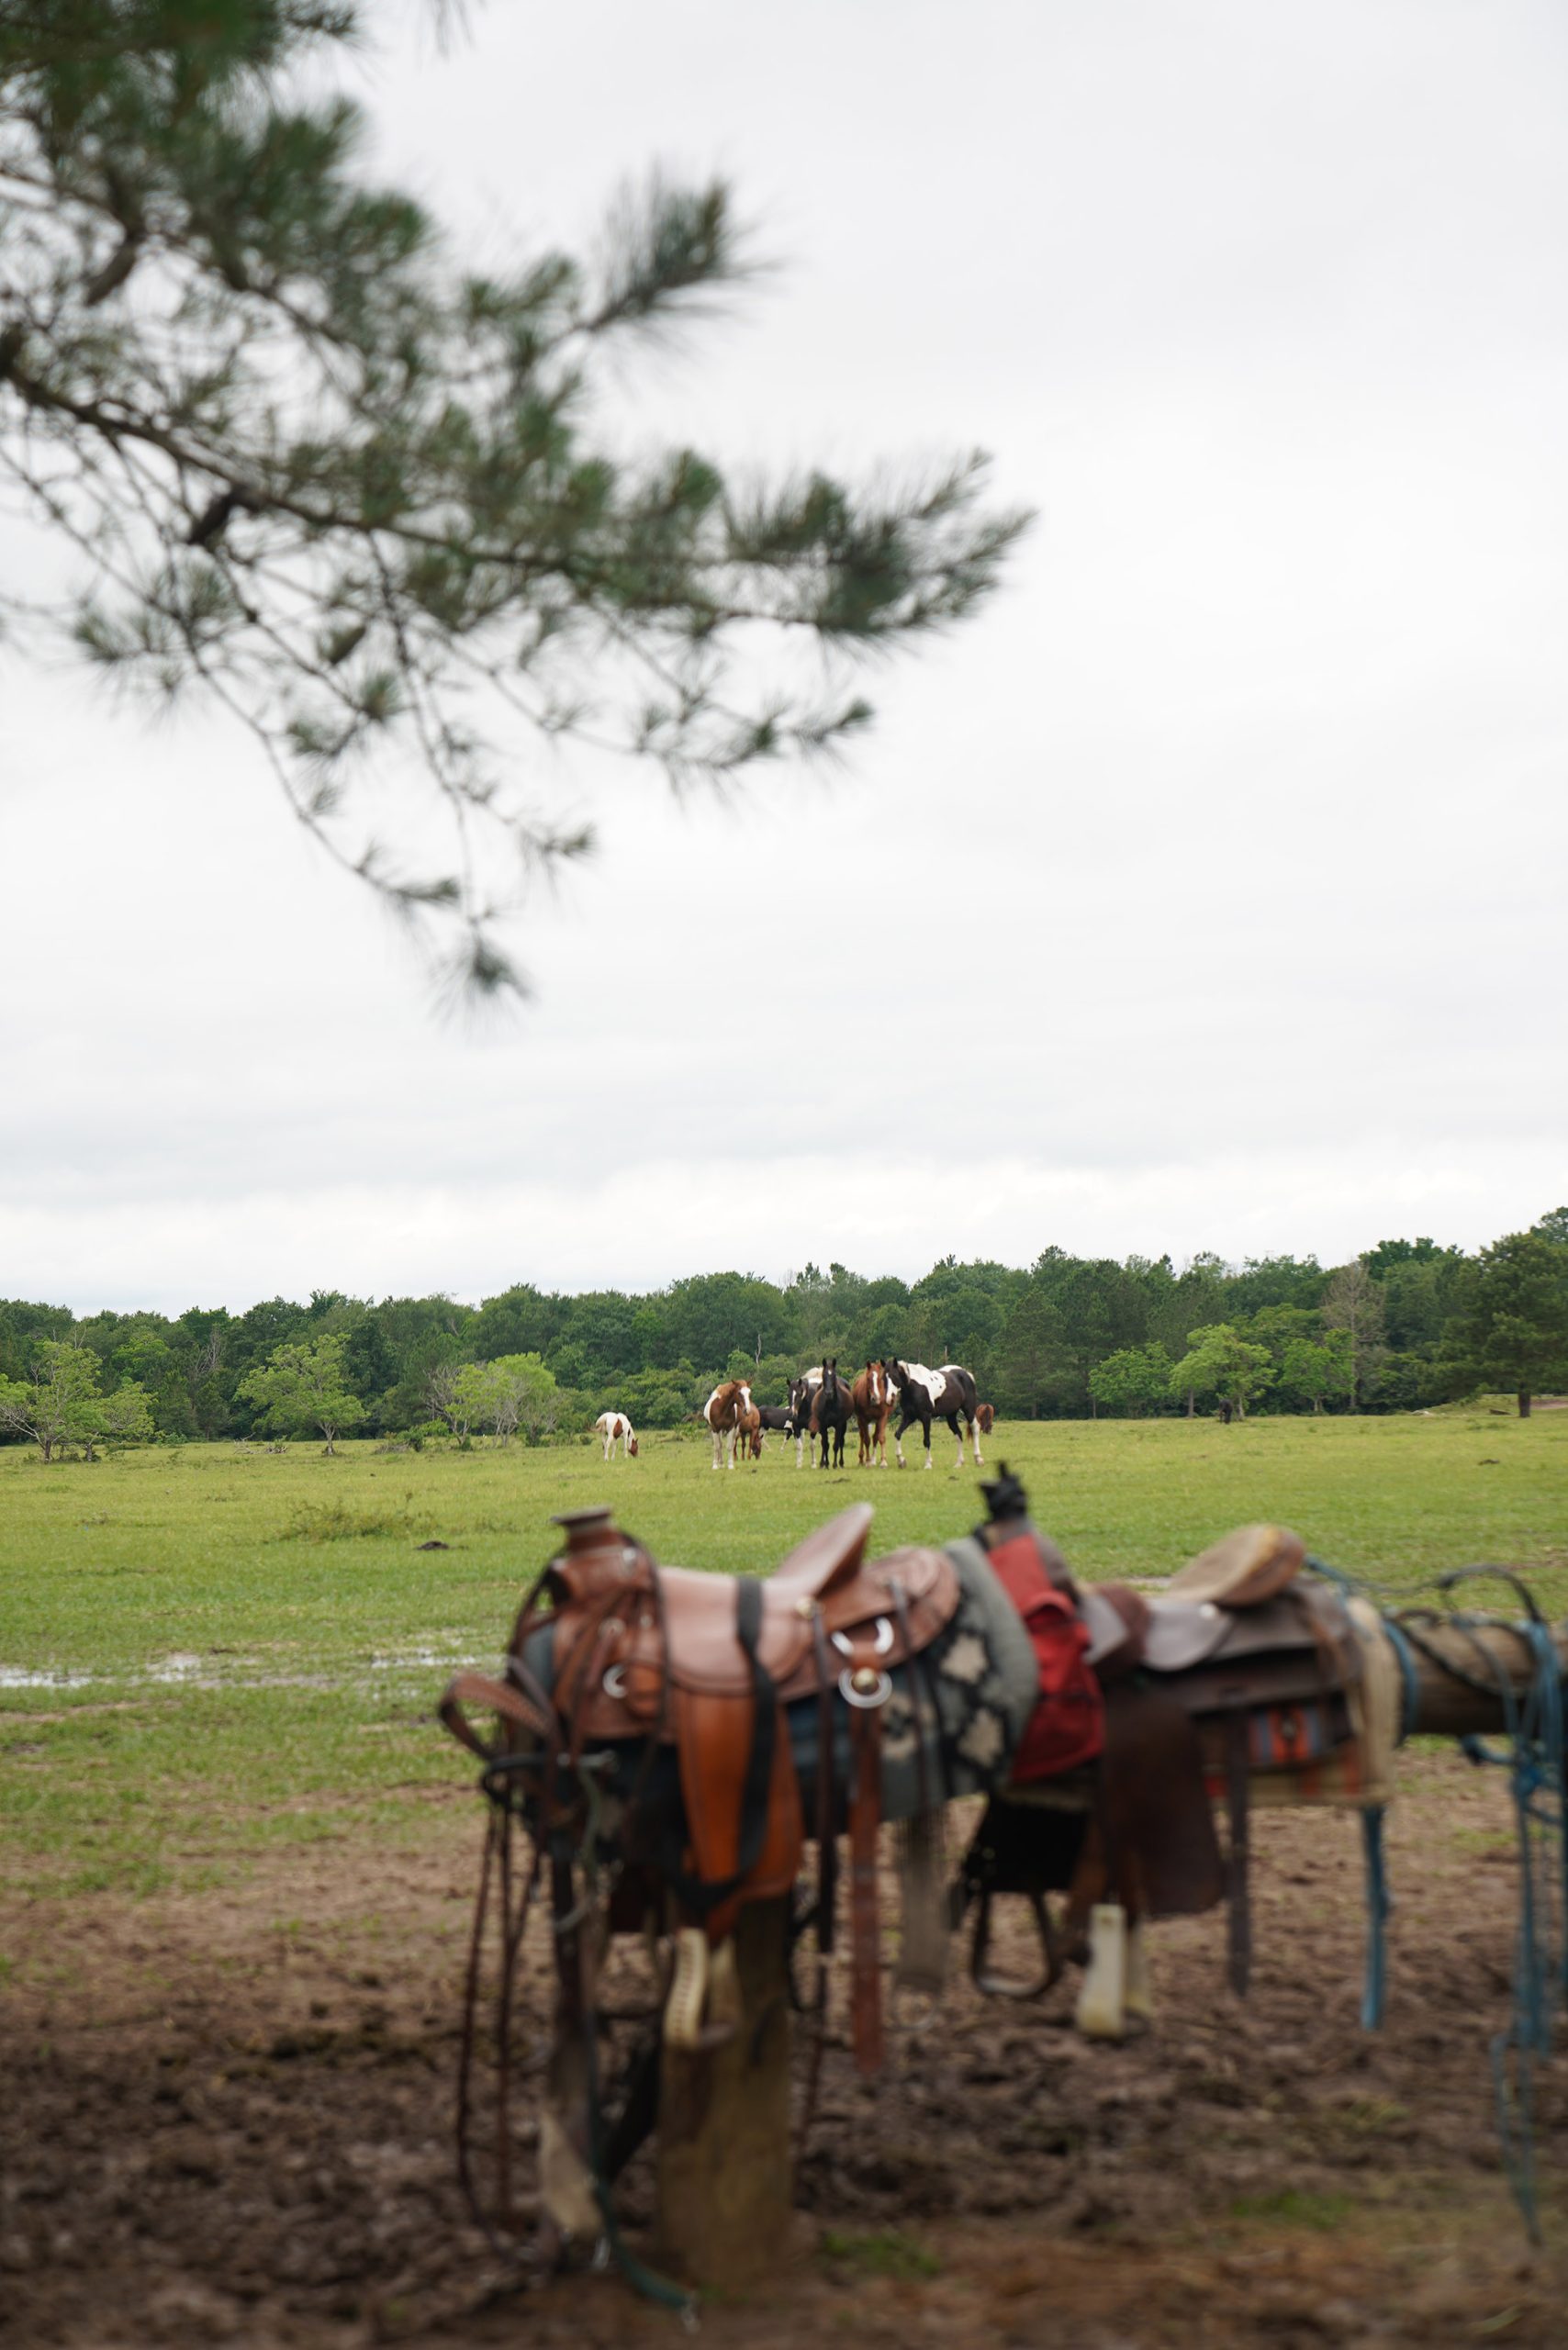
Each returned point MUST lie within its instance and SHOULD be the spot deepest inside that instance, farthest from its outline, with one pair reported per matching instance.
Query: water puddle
(186, 1670)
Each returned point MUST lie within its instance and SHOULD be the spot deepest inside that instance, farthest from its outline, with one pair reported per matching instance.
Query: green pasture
(207, 1652)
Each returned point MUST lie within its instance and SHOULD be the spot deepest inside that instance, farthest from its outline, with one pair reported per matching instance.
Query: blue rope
(1533, 1755)
(1410, 1703)
(1374, 1986)
(1533, 1758)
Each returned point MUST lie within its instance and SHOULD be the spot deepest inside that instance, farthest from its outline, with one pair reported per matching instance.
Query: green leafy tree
(1222, 1363)
(1315, 1370)
(1510, 1329)
(529, 1398)
(1135, 1379)
(318, 469)
(1034, 1373)
(123, 1416)
(58, 1403)
(1274, 1282)
(1196, 1299)
(304, 1385)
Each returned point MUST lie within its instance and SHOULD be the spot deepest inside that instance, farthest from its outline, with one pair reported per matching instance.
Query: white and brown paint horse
(613, 1424)
(723, 1412)
(946, 1394)
(803, 1395)
(872, 1396)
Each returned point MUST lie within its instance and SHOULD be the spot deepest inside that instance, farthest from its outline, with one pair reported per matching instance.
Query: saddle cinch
(1239, 1682)
(692, 1687)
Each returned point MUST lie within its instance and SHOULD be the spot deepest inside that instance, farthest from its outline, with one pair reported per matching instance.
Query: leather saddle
(629, 1630)
(1235, 1629)
(1239, 1666)
(706, 1664)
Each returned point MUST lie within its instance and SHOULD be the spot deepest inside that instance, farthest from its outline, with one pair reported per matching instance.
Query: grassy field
(209, 1652)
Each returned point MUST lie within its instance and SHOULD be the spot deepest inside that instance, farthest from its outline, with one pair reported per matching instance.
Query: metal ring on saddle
(866, 1700)
(884, 1640)
(613, 1681)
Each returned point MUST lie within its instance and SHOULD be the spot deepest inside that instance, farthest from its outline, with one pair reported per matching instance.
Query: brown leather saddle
(706, 1664)
(1239, 1667)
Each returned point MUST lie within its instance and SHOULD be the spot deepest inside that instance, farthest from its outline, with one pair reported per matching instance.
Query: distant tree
(1353, 1302)
(1272, 1281)
(1389, 1253)
(1316, 1371)
(519, 1321)
(58, 1403)
(1195, 1299)
(1034, 1370)
(304, 1385)
(651, 1399)
(1554, 1226)
(1222, 1363)
(1511, 1328)
(1136, 1378)
(523, 1396)
(351, 490)
(123, 1416)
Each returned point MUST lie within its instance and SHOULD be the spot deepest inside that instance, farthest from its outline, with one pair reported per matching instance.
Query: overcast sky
(1206, 892)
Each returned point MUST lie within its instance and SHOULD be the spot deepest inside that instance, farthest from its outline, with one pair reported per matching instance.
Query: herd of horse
(822, 1404)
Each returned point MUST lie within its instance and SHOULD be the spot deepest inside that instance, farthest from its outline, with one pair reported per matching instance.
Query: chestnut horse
(872, 1396)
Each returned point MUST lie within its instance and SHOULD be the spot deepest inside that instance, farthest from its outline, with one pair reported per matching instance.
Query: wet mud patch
(228, 2117)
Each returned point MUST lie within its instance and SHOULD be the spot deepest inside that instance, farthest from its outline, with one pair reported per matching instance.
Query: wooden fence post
(725, 2177)
(1449, 1707)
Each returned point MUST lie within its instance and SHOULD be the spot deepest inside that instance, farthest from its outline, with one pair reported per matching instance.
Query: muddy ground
(226, 2118)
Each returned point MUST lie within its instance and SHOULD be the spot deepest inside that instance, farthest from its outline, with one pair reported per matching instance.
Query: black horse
(777, 1419)
(949, 1394)
(822, 1405)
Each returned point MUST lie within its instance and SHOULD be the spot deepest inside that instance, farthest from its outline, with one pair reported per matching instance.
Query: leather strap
(827, 1834)
(1240, 1912)
(479, 1689)
(865, 1818)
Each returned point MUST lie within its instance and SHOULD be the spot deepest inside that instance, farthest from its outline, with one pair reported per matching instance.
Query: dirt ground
(227, 2118)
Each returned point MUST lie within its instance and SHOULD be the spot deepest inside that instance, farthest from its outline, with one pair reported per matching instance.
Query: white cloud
(1205, 892)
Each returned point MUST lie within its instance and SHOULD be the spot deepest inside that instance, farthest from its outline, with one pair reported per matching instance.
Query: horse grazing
(749, 1435)
(872, 1396)
(985, 1418)
(947, 1393)
(611, 1425)
(723, 1412)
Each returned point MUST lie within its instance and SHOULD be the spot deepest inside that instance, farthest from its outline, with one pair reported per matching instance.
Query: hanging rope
(1533, 1758)
(1532, 1753)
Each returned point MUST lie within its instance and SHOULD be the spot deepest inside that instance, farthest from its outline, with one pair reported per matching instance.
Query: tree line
(1405, 1325)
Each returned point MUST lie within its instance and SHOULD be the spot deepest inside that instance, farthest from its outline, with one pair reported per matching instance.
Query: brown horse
(872, 1396)
(723, 1412)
